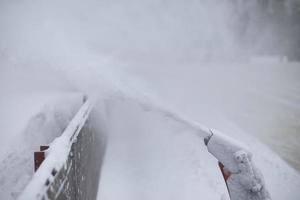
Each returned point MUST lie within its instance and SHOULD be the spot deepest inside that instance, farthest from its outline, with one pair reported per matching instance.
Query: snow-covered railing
(67, 171)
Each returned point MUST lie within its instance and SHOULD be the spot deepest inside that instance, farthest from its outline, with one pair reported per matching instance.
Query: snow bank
(36, 105)
(25, 125)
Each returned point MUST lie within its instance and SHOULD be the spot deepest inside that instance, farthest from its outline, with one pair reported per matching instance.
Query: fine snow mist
(60, 33)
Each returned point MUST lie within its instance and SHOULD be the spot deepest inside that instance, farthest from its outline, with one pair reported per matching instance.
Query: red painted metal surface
(225, 174)
(39, 157)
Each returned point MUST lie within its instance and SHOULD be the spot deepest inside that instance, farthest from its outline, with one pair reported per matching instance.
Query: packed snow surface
(155, 156)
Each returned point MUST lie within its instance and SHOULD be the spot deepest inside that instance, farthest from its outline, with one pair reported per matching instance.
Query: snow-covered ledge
(57, 157)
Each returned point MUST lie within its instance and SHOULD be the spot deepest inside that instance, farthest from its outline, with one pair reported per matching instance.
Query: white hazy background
(149, 31)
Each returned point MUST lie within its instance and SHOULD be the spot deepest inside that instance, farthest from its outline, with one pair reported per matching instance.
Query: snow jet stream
(149, 104)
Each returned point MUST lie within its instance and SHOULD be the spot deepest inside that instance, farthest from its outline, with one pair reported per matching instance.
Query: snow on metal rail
(53, 178)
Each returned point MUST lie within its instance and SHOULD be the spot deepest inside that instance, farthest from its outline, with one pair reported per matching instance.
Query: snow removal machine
(243, 179)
